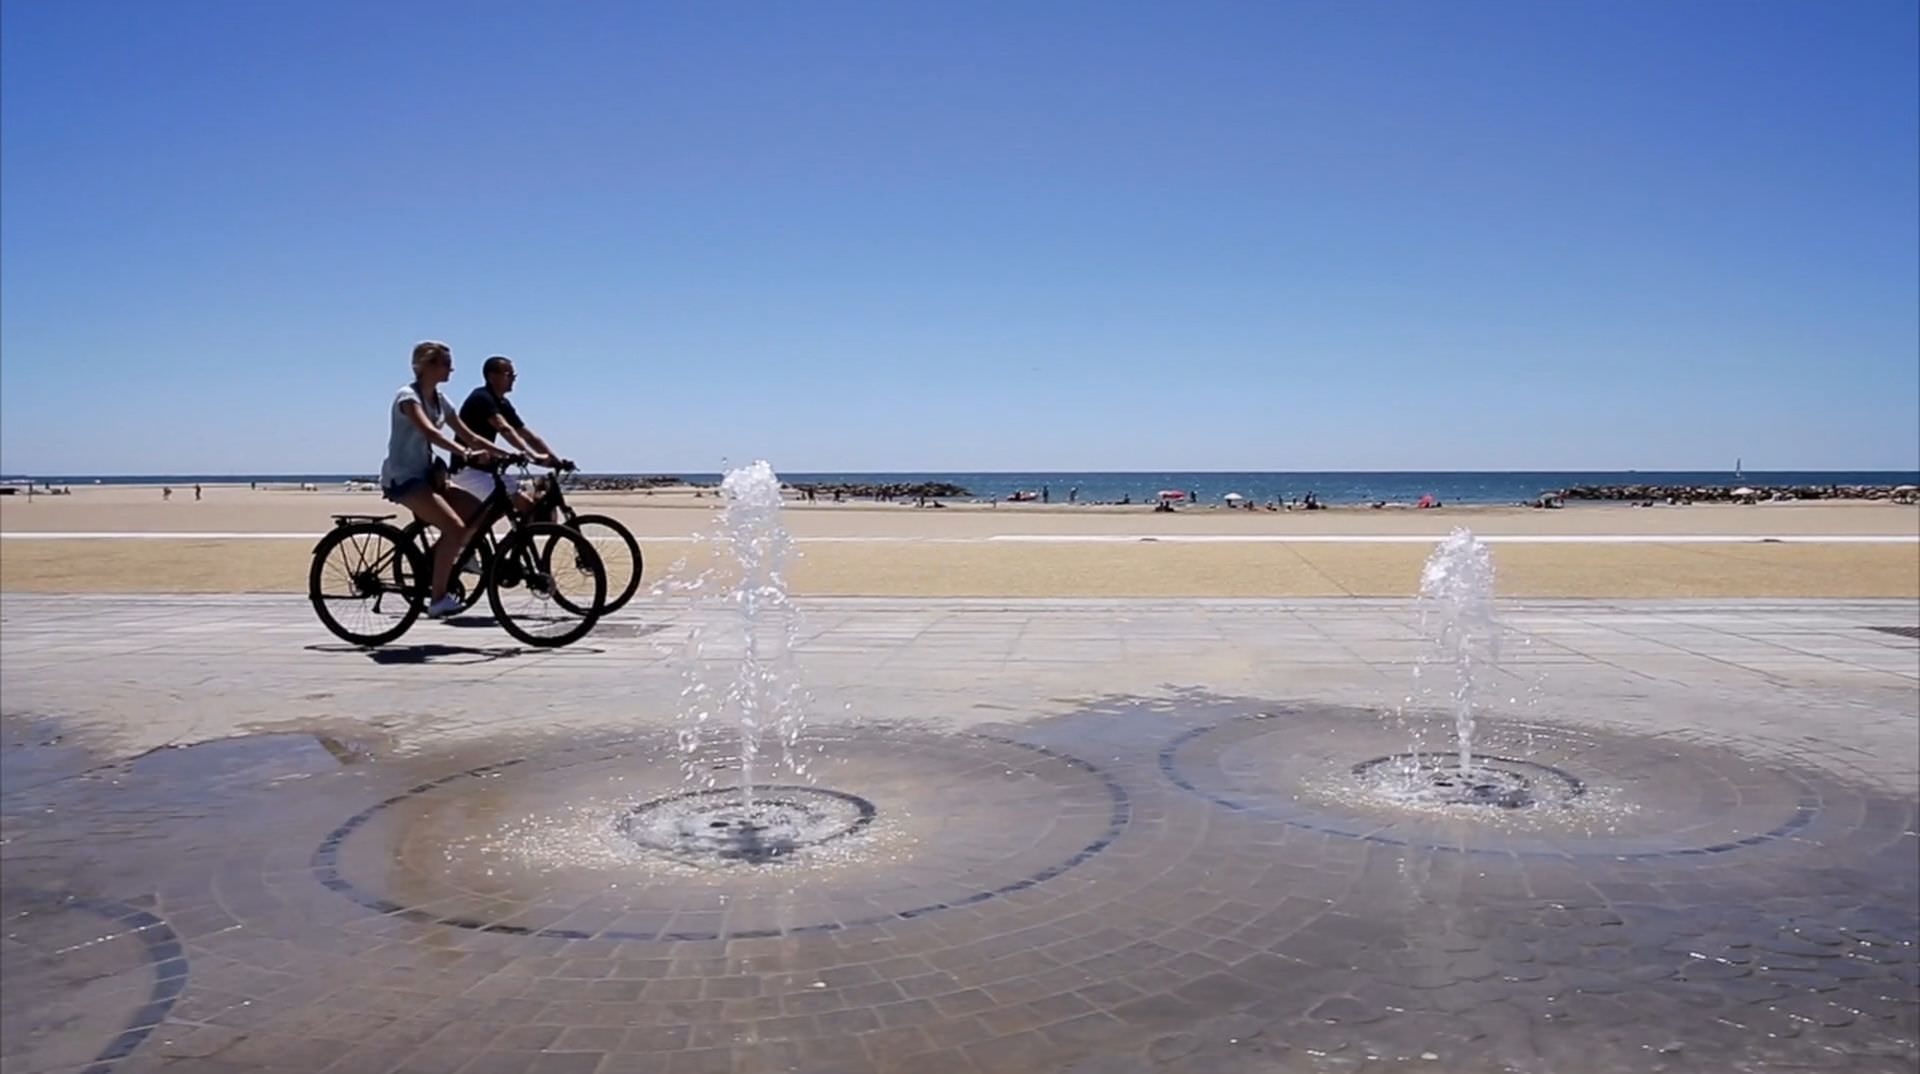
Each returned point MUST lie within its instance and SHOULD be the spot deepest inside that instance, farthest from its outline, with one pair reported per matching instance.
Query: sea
(1205, 486)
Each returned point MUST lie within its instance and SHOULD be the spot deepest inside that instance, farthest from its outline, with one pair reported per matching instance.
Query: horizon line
(676, 471)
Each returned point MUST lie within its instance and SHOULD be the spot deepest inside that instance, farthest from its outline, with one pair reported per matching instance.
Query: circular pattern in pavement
(1573, 792)
(87, 981)
(1202, 938)
(583, 844)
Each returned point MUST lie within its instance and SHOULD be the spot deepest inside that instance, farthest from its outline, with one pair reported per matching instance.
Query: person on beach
(488, 413)
(413, 477)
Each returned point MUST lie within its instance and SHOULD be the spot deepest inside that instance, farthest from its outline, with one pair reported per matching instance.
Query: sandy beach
(127, 539)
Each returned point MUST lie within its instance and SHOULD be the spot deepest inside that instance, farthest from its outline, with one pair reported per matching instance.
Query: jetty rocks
(1736, 493)
(846, 489)
(931, 490)
(622, 482)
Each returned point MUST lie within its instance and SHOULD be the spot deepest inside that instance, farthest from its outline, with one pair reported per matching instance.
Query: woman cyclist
(413, 477)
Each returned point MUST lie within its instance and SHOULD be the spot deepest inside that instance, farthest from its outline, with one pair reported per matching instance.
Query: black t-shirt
(478, 411)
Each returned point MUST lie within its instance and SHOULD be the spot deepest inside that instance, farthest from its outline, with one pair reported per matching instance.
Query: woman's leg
(431, 508)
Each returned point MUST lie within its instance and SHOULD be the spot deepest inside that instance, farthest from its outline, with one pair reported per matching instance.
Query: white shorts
(479, 483)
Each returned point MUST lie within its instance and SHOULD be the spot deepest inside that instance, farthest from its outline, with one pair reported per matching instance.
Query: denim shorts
(397, 491)
(435, 478)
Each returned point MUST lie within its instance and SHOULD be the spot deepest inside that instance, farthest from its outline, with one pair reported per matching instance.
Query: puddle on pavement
(258, 759)
(1075, 835)
(36, 752)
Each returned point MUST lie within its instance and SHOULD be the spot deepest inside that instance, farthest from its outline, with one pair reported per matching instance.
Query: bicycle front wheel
(547, 586)
(360, 583)
(619, 554)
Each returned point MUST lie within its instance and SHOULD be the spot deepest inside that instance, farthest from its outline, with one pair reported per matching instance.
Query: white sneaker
(443, 607)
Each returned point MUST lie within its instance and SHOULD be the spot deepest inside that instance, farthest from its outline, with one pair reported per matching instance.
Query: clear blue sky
(967, 235)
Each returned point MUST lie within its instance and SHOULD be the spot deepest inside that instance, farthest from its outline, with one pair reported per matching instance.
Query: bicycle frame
(499, 505)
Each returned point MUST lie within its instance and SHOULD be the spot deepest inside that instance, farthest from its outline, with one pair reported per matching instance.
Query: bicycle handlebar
(502, 460)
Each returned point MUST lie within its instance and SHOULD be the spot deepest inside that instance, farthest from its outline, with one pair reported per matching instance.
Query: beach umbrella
(1172, 494)
(1233, 497)
(1744, 491)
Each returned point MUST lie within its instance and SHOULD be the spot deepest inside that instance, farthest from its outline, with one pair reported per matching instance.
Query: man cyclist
(488, 413)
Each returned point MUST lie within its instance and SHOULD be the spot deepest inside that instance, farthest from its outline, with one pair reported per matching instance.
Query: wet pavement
(1079, 836)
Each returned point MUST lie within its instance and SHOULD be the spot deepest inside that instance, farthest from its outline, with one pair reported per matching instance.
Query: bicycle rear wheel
(359, 583)
(547, 586)
(619, 554)
(469, 579)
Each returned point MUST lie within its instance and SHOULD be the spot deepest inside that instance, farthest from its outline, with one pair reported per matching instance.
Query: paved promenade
(1038, 835)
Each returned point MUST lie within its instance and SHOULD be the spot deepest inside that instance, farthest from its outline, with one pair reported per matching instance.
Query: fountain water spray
(1456, 615)
(740, 665)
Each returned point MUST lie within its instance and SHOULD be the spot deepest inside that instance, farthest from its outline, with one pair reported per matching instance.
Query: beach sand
(866, 549)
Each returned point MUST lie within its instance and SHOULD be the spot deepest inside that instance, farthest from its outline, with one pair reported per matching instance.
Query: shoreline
(260, 541)
(929, 491)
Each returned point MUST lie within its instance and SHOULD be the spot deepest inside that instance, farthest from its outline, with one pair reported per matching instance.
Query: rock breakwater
(1735, 493)
(625, 482)
(916, 490)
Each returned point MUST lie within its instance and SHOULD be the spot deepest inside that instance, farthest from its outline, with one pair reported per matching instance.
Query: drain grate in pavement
(1899, 631)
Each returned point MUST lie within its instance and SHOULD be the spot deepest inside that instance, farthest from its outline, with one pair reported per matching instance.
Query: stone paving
(1105, 836)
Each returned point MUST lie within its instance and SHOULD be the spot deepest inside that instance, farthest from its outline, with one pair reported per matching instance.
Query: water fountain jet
(740, 673)
(1456, 615)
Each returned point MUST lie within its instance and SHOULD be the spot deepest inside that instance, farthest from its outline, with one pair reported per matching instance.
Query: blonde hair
(428, 348)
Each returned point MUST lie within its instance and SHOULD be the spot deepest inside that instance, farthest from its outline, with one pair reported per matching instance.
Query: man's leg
(464, 502)
(529, 494)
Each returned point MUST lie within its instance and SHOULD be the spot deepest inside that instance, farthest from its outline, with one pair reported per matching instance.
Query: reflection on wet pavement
(1180, 880)
(89, 961)
(1010, 906)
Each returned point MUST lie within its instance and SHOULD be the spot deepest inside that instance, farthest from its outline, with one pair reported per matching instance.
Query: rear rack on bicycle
(348, 520)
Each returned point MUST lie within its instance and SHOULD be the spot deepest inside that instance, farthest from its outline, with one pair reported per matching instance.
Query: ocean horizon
(1331, 487)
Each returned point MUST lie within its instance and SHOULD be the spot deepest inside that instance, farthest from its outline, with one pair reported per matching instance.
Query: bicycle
(619, 551)
(369, 579)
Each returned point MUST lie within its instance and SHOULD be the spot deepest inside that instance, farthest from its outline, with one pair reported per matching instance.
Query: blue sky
(969, 236)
